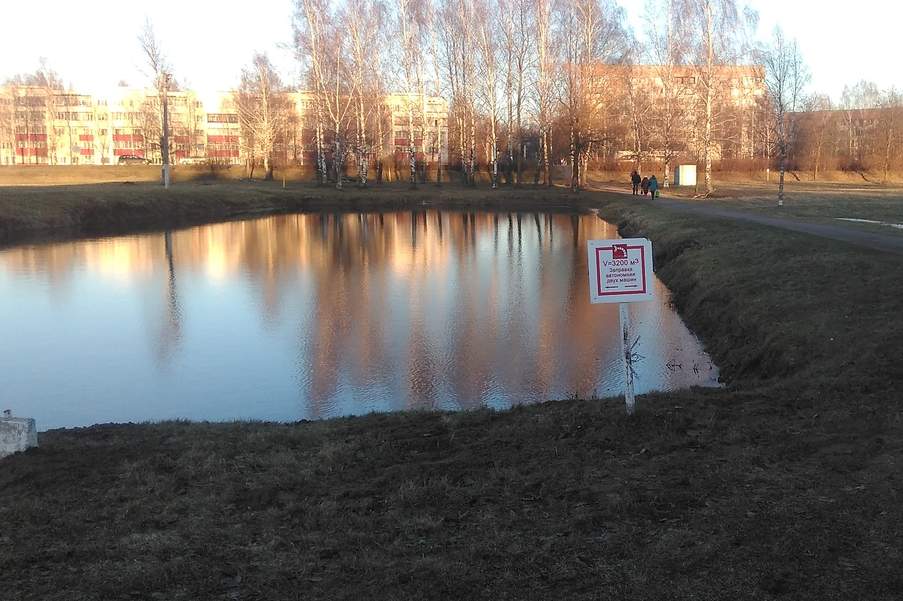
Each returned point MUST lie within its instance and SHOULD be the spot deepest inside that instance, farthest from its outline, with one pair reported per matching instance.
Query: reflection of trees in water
(408, 304)
(171, 323)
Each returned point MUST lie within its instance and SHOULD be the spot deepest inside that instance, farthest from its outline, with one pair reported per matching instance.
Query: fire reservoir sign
(620, 271)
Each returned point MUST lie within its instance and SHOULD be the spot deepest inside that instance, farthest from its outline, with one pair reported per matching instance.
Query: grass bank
(785, 485)
(778, 306)
(35, 212)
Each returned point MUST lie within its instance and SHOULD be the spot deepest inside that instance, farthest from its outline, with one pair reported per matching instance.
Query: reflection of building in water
(388, 310)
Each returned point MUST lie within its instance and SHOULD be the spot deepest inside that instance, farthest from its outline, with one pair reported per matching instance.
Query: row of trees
(509, 66)
(863, 132)
(559, 82)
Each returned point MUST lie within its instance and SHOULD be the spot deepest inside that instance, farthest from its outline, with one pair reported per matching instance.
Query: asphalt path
(885, 243)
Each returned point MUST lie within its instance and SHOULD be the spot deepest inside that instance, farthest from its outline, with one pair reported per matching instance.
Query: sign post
(620, 271)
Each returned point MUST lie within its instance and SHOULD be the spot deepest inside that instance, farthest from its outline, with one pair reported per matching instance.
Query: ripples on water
(313, 316)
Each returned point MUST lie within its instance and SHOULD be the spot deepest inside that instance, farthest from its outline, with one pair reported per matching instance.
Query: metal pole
(165, 142)
(625, 355)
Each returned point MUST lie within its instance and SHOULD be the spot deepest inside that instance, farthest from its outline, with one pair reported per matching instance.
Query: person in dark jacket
(635, 180)
(653, 185)
(645, 186)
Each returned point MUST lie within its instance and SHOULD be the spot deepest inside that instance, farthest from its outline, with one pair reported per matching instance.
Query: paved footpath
(882, 242)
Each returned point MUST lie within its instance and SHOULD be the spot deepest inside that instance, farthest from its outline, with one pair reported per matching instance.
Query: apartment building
(25, 131)
(221, 129)
(430, 130)
(57, 127)
(640, 97)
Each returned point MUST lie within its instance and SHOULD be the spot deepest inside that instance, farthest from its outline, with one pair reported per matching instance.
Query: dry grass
(786, 485)
(819, 203)
(30, 212)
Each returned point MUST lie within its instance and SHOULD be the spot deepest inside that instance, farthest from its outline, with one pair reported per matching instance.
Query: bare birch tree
(488, 69)
(517, 19)
(364, 20)
(160, 73)
(339, 88)
(638, 108)
(544, 86)
(381, 113)
(890, 126)
(263, 109)
(410, 17)
(668, 46)
(592, 35)
(309, 25)
(717, 26)
(432, 27)
(785, 77)
(821, 119)
(854, 98)
(51, 87)
(455, 26)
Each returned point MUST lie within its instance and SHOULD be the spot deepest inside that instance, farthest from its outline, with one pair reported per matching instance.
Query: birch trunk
(411, 151)
(783, 168)
(321, 158)
(381, 137)
(338, 160)
(546, 152)
(575, 166)
(473, 148)
(709, 97)
(520, 133)
(361, 143)
(462, 148)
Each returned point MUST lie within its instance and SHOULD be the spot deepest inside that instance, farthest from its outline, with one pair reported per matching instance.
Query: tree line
(532, 84)
(556, 73)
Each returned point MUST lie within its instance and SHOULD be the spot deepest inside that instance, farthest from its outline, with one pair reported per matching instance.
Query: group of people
(646, 184)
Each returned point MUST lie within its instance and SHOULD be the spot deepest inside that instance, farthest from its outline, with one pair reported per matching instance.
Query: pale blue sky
(93, 43)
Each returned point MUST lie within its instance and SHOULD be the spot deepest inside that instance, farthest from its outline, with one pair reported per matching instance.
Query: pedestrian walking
(635, 180)
(653, 186)
(645, 186)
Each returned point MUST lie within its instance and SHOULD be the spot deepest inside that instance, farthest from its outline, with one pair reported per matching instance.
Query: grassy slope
(787, 485)
(775, 304)
(30, 212)
(818, 202)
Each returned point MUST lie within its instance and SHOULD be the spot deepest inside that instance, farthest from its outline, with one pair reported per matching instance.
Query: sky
(93, 43)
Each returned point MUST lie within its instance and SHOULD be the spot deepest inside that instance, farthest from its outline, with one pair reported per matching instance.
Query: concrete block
(16, 434)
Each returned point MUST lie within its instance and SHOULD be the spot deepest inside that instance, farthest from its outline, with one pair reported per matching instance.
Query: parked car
(130, 159)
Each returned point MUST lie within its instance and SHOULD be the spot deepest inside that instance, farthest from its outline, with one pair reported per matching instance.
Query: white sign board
(620, 271)
(685, 175)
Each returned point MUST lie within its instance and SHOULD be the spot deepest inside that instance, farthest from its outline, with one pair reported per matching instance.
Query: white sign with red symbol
(620, 271)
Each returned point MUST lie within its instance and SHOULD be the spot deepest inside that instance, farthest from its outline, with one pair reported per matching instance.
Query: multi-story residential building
(640, 98)
(220, 129)
(25, 121)
(41, 126)
(72, 137)
(430, 130)
(7, 129)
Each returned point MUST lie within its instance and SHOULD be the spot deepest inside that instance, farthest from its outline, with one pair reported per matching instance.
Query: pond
(312, 316)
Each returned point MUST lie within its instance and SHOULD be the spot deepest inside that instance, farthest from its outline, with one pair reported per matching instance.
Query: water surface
(313, 316)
